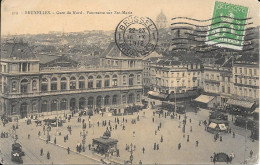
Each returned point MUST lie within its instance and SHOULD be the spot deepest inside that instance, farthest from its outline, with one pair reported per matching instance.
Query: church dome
(161, 17)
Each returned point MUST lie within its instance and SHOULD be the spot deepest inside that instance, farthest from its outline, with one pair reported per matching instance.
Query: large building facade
(49, 84)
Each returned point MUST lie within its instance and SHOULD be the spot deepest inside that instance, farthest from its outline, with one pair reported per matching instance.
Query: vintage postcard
(129, 82)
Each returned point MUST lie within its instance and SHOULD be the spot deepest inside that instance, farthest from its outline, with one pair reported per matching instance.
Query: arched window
(72, 83)
(24, 86)
(34, 85)
(98, 102)
(131, 98)
(90, 82)
(124, 80)
(54, 84)
(106, 101)
(90, 102)
(44, 106)
(14, 86)
(44, 84)
(82, 103)
(81, 82)
(107, 81)
(114, 100)
(114, 80)
(63, 104)
(72, 104)
(63, 83)
(131, 80)
(54, 105)
(99, 82)
(139, 79)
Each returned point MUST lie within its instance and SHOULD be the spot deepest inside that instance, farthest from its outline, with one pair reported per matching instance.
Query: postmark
(228, 25)
(136, 36)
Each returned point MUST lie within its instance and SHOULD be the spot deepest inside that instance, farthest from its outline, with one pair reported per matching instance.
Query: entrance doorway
(23, 110)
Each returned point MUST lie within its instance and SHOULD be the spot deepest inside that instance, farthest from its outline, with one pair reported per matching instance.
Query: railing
(87, 68)
(75, 91)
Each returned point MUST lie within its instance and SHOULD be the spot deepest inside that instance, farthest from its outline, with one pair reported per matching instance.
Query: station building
(32, 84)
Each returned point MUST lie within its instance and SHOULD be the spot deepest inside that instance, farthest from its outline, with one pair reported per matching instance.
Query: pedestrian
(143, 150)
(28, 136)
(68, 149)
(190, 120)
(89, 146)
(197, 143)
(55, 140)
(133, 133)
(39, 133)
(160, 125)
(154, 146)
(188, 138)
(190, 128)
(179, 146)
(64, 139)
(251, 153)
(220, 138)
(158, 128)
(179, 117)
(41, 151)
(155, 132)
(161, 139)
(157, 146)
(48, 155)
(153, 119)
(234, 135)
(140, 162)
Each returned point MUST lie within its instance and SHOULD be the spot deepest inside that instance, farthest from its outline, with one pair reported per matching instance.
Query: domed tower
(161, 21)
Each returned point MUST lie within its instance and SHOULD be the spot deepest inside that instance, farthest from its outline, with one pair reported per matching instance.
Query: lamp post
(84, 140)
(131, 153)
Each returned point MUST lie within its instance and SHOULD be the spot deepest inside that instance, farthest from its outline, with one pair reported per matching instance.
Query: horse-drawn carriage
(17, 153)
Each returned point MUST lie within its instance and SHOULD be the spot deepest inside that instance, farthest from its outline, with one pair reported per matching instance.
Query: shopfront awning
(157, 94)
(212, 125)
(222, 127)
(204, 99)
(240, 103)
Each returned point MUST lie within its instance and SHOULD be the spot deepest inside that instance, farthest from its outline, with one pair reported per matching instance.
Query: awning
(204, 99)
(222, 127)
(157, 94)
(212, 125)
(240, 103)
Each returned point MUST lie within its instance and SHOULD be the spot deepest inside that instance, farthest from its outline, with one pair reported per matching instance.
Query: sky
(22, 23)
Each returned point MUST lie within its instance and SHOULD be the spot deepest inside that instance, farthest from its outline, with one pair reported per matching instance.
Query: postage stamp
(228, 24)
(136, 36)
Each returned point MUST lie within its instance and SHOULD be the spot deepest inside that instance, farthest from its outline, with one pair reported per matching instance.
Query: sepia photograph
(129, 82)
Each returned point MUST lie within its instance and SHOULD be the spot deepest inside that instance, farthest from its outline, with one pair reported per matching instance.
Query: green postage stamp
(227, 27)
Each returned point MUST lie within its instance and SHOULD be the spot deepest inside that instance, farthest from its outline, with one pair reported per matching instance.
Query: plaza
(140, 135)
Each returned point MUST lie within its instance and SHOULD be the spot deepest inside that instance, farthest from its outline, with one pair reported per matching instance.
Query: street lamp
(84, 140)
(131, 153)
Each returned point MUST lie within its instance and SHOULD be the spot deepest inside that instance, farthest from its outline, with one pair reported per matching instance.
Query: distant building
(161, 21)
(31, 84)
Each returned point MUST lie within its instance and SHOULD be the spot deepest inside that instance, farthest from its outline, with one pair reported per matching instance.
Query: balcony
(66, 92)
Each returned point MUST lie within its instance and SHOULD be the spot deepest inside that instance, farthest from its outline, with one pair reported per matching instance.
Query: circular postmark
(136, 36)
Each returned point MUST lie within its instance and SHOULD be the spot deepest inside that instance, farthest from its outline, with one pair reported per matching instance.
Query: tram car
(17, 153)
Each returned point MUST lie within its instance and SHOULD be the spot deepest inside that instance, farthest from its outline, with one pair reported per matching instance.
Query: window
(245, 92)
(250, 93)
(240, 80)
(240, 70)
(131, 80)
(235, 79)
(131, 98)
(72, 83)
(14, 86)
(81, 82)
(223, 89)
(63, 83)
(138, 98)
(90, 82)
(138, 79)
(217, 77)
(107, 80)
(124, 99)
(245, 70)
(24, 86)
(106, 102)
(235, 69)
(99, 82)
(44, 85)
(236, 90)
(13, 109)
(250, 71)
(245, 80)
(63, 104)
(54, 84)
(54, 105)
(254, 93)
(114, 80)
(124, 80)
(255, 72)
(34, 85)
(228, 90)
(250, 82)
(114, 100)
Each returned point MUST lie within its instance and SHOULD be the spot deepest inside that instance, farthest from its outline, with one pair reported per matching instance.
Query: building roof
(46, 58)
(17, 50)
